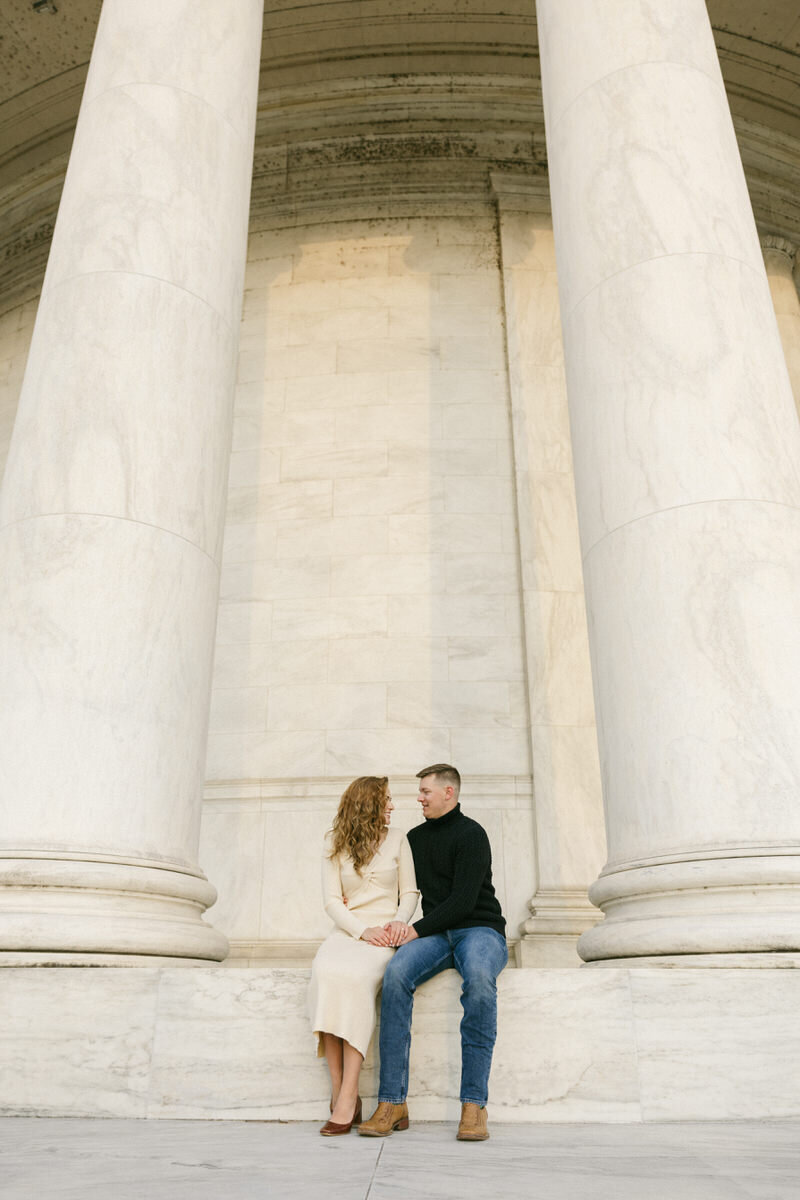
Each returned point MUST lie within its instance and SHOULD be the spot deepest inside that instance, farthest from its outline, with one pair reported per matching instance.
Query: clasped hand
(393, 933)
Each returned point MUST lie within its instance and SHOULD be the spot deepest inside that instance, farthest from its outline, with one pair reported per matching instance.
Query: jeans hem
(389, 1100)
(470, 1100)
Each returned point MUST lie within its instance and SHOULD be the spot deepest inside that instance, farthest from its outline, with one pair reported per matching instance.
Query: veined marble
(609, 1046)
(569, 837)
(113, 497)
(687, 474)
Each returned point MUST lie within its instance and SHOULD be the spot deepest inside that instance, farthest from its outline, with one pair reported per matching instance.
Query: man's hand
(411, 933)
(397, 931)
(376, 936)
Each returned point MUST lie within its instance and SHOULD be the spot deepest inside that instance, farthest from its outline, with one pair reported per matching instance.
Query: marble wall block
(569, 835)
(370, 522)
(263, 1011)
(706, 1067)
(606, 1046)
(232, 852)
(75, 1049)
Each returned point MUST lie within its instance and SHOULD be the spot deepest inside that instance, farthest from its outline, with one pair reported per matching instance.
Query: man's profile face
(436, 800)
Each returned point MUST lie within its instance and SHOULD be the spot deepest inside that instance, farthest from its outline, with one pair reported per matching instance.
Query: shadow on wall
(370, 611)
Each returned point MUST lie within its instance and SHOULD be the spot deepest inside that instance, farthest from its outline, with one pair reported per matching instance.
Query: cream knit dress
(347, 973)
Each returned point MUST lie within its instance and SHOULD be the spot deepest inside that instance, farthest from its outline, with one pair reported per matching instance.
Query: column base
(58, 911)
(741, 910)
(550, 935)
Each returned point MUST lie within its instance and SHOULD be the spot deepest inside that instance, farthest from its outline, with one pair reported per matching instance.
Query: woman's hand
(376, 936)
(397, 931)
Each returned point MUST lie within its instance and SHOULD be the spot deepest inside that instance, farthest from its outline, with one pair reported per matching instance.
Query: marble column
(111, 514)
(687, 466)
(780, 260)
(568, 808)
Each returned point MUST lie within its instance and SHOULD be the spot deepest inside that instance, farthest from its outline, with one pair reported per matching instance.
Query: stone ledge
(221, 1043)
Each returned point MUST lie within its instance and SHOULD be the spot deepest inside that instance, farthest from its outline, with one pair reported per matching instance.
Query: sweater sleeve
(473, 857)
(406, 883)
(333, 897)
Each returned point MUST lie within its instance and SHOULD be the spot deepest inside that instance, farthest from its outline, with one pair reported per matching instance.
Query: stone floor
(77, 1159)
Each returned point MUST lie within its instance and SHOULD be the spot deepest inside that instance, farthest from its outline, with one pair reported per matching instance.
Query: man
(463, 927)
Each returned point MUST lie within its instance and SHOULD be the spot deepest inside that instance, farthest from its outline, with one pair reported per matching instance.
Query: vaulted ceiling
(367, 87)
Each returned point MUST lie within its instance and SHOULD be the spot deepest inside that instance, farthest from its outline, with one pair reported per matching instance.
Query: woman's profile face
(388, 807)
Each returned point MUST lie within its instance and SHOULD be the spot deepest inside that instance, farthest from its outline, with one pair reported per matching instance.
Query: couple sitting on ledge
(372, 878)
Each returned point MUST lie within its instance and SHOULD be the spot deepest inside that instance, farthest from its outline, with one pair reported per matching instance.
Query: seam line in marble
(141, 275)
(690, 504)
(374, 1171)
(169, 87)
(114, 517)
(650, 62)
(657, 258)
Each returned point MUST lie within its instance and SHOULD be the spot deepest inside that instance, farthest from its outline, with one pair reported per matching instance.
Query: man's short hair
(445, 774)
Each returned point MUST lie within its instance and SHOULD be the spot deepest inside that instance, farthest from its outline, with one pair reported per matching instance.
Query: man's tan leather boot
(472, 1126)
(386, 1118)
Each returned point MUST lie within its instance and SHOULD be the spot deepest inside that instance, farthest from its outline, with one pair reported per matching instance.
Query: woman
(367, 881)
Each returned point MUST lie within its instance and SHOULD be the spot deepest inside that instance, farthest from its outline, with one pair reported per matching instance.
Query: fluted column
(780, 260)
(111, 514)
(687, 466)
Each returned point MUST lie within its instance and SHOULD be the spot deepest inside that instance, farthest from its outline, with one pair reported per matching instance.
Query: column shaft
(687, 463)
(111, 515)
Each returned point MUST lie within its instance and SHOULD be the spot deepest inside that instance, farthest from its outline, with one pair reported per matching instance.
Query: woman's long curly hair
(359, 824)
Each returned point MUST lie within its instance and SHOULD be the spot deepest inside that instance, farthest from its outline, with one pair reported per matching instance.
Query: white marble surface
(360, 503)
(705, 1160)
(145, 440)
(113, 494)
(704, 1064)
(687, 474)
(142, 685)
(609, 1046)
(701, 1161)
(77, 1049)
(369, 617)
(569, 834)
(679, 352)
(571, 66)
(162, 212)
(261, 846)
(721, 581)
(686, 194)
(210, 60)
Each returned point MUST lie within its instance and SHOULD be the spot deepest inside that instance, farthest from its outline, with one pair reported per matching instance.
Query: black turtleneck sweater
(453, 862)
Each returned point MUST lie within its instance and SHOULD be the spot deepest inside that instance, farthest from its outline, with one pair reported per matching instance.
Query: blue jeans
(479, 955)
